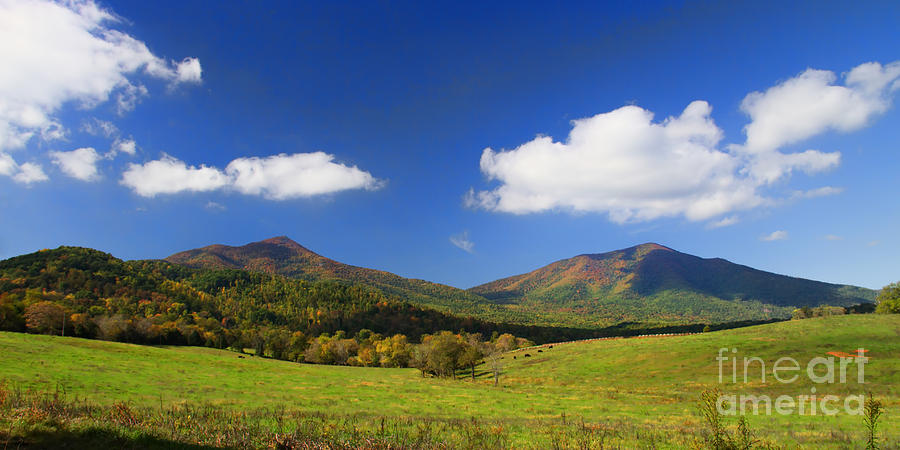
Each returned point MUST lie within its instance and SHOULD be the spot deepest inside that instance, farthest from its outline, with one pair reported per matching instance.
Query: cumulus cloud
(812, 103)
(277, 177)
(462, 241)
(807, 105)
(80, 163)
(772, 166)
(285, 176)
(188, 71)
(625, 164)
(169, 176)
(779, 235)
(8, 165)
(123, 145)
(55, 53)
(29, 173)
(622, 163)
(26, 173)
(833, 237)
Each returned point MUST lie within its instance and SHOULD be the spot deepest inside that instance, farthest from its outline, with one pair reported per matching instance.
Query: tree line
(82, 292)
(807, 312)
(85, 293)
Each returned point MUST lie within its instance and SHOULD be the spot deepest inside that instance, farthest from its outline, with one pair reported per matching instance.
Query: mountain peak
(282, 256)
(635, 252)
(648, 246)
(679, 285)
(264, 256)
(283, 241)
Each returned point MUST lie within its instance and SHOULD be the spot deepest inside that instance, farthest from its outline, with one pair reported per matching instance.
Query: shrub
(719, 438)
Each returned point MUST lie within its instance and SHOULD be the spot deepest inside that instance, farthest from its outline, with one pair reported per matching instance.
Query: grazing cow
(514, 356)
(241, 356)
(550, 346)
(540, 351)
(527, 355)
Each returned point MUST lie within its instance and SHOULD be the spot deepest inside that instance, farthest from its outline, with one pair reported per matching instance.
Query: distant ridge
(654, 281)
(283, 256)
(648, 284)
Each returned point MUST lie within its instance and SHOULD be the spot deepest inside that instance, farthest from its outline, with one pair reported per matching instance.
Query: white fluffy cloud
(80, 163)
(285, 176)
(622, 163)
(8, 166)
(58, 53)
(26, 173)
(779, 235)
(626, 165)
(125, 146)
(277, 177)
(169, 176)
(807, 105)
(462, 241)
(812, 103)
(188, 71)
(30, 173)
(769, 167)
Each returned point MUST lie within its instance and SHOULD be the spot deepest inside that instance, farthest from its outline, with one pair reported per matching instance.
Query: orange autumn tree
(45, 318)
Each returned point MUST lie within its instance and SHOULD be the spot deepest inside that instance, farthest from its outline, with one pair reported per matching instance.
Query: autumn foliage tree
(443, 354)
(45, 318)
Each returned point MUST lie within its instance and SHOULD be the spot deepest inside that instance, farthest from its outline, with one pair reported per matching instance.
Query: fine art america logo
(837, 368)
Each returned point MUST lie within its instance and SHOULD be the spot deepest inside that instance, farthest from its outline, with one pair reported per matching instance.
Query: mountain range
(651, 282)
(648, 283)
(282, 256)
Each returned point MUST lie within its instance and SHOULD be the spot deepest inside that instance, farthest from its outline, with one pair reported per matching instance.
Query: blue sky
(181, 111)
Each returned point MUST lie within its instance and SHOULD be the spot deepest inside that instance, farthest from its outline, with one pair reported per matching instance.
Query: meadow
(614, 393)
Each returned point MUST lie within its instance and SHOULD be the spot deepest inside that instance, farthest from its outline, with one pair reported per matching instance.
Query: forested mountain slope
(652, 282)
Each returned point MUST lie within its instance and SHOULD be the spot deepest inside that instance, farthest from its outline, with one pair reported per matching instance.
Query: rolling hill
(282, 256)
(643, 390)
(653, 282)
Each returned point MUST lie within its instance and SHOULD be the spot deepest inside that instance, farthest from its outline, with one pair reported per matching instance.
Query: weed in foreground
(873, 410)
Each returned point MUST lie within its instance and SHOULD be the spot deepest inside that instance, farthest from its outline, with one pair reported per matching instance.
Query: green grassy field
(638, 389)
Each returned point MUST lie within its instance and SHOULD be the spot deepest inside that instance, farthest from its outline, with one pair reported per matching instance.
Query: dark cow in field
(540, 351)
(527, 355)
